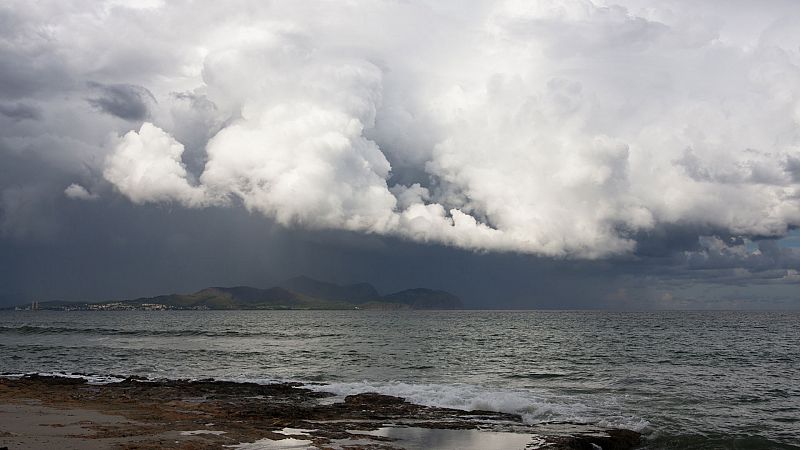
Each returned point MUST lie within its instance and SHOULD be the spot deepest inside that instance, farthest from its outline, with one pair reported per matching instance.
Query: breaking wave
(532, 406)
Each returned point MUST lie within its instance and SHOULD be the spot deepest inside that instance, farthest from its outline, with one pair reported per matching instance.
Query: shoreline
(38, 411)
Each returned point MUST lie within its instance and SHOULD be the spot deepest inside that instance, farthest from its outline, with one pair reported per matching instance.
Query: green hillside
(296, 293)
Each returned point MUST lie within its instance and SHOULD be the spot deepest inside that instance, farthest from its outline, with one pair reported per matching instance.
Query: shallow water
(408, 438)
(686, 379)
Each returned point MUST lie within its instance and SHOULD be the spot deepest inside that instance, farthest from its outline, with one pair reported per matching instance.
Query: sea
(686, 380)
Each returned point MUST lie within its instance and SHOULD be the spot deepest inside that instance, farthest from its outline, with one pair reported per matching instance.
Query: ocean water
(685, 379)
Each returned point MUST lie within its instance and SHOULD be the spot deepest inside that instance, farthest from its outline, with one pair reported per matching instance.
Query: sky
(621, 154)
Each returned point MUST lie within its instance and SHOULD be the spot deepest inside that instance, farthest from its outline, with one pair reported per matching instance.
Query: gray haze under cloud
(561, 153)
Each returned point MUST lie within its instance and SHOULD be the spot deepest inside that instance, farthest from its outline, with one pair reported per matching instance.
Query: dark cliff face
(353, 293)
(421, 298)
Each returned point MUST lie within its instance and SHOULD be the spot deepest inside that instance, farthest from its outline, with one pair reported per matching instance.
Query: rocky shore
(148, 414)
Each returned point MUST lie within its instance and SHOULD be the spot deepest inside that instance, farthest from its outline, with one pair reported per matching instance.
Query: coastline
(69, 412)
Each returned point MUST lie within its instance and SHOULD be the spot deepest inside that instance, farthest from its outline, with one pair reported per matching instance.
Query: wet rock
(56, 380)
(372, 399)
(248, 412)
(614, 439)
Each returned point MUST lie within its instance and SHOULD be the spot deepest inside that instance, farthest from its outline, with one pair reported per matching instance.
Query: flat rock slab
(58, 412)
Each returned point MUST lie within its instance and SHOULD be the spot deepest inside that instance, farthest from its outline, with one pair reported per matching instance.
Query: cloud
(763, 259)
(297, 152)
(22, 215)
(78, 192)
(20, 111)
(146, 167)
(126, 101)
(563, 128)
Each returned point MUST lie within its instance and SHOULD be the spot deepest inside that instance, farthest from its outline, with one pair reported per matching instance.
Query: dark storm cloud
(668, 239)
(112, 249)
(30, 195)
(767, 257)
(197, 119)
(118, 250)
(20, 111)
(657, 141)
(23, 74)
(792, 166)
(126, 101)
(29, 58)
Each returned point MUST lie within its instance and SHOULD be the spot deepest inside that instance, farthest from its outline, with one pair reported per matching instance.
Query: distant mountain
(241, 297)
(365, 295)
(353, 293)
(295, 293)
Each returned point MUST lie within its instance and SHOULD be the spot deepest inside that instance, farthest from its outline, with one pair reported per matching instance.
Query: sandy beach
(43, 412)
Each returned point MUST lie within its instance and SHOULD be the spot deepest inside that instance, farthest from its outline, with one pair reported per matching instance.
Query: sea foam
(534, 407)
(90, 378)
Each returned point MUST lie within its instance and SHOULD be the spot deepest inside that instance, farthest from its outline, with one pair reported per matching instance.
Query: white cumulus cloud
(563, 127)
(146, 166)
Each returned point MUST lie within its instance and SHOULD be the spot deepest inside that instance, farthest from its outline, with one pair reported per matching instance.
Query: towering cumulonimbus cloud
(560, 127)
